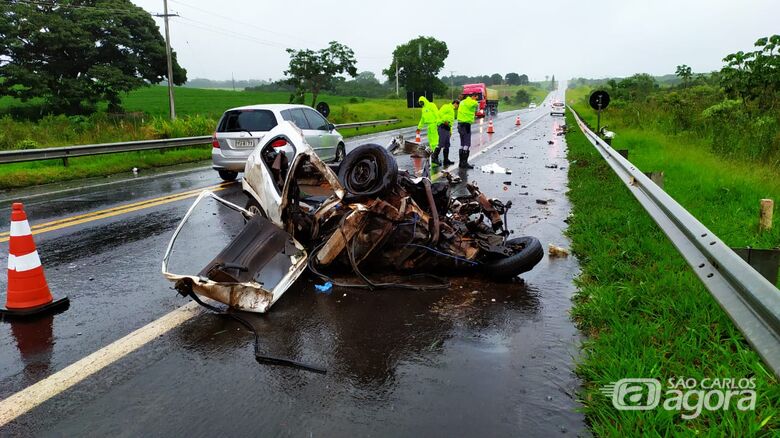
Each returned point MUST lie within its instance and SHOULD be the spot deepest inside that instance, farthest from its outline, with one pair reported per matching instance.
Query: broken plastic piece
(557, 251)
(495, 168)
(324, 288)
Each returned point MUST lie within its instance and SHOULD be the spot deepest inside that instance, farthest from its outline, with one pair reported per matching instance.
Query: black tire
(253, 206)
(368, 171)
(228, 175)
(521, 261)
(341, 152)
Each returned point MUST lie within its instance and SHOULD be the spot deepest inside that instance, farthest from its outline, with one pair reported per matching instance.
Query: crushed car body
(365, 217)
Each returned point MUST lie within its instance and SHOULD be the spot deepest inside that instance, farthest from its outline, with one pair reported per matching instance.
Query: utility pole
(396, 77)
(452, 86)
(165, 16)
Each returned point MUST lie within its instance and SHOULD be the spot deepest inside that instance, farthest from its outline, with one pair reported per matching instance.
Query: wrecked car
(359, 219)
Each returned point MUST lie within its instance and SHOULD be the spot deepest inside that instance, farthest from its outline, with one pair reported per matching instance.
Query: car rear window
(247, 120)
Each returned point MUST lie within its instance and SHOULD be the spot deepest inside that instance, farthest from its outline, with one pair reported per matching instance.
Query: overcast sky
(567, 38)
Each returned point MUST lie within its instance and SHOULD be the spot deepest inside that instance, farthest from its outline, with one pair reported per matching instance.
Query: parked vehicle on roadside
(487, 98)
(558, 109)
(240, 129)
(532, 105)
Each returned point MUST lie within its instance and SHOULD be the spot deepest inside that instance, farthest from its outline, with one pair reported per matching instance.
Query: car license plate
(245, 143)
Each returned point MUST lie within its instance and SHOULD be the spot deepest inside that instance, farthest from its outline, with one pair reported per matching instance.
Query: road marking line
(34, 395)
(98, 212)
(115, 211)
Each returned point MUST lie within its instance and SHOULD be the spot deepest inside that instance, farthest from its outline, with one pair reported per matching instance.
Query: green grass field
(643, 310)
(537, 94)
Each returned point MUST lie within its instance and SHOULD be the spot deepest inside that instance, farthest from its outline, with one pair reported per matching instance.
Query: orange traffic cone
(417, 138)
(490, 127)
(517, 122)
(28, 293)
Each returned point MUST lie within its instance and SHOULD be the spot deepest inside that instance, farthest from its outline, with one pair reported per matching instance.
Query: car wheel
(368, 171)
(254, 207)
(529, 253)
(341, 152)
(228, 175)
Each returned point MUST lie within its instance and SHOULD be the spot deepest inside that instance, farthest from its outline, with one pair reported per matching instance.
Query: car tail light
(214, 141)
(279, 142)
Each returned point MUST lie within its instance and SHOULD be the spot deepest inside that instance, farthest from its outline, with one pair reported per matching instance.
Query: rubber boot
(447, 161)
(435, 157)
(464, 160)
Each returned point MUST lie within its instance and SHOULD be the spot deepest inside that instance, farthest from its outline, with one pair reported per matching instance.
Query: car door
(328, 140)
(297, 116)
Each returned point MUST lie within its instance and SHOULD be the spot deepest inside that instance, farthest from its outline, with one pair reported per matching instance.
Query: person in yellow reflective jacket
(446, 122)
(430, 119)
(467, 111)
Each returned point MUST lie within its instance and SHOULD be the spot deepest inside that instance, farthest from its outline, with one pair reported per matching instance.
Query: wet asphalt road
(481, 359)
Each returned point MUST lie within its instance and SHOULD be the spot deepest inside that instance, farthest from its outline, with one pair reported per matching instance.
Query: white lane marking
(24, 263)
(495, 143)
(20, 228)
(37, 393)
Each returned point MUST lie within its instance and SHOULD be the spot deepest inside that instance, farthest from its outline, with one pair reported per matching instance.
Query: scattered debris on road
(557, 251)
(370, 217)
(495, 168)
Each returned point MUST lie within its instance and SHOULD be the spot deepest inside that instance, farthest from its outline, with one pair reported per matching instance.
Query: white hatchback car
(240, 129)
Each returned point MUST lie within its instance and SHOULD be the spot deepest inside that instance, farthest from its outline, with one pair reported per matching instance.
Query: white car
(558, 108)
(532, 106)
(240, 129)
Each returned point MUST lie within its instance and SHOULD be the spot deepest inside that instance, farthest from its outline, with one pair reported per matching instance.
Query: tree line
(737, 108)
(72, 56)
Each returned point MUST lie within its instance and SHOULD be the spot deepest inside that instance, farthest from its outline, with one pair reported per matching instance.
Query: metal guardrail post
(750, 301)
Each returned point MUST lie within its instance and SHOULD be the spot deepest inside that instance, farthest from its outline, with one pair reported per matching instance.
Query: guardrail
(752, 302)
(66, 152)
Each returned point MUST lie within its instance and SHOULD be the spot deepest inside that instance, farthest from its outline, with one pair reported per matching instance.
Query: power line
(228, 33)
(233, 20)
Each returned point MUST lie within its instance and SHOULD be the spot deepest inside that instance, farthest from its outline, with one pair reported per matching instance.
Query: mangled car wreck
(364, 217)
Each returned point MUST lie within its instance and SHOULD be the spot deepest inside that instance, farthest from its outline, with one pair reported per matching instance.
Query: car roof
(268, 106)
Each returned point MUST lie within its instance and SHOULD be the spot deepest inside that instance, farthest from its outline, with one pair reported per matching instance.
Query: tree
(684, 72)
(76, 54)
(512, 79)
(524, 80)
(552, 83)
(522, 97)
(313, 72)
(496, 79)
(755, 76)
(419, 61)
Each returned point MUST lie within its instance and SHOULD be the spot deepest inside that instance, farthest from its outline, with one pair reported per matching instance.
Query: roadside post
(599, 100)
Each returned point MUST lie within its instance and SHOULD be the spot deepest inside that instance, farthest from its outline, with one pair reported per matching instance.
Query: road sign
(324, 109)
(599, 100)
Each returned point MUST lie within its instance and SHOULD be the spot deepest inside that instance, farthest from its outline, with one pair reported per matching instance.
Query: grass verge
(645, 314)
